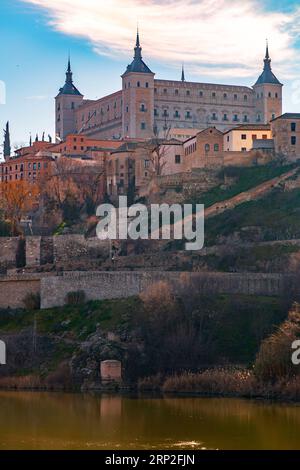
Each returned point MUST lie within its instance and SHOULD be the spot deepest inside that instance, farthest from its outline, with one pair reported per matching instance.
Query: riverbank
(214, 383)
(223, 383)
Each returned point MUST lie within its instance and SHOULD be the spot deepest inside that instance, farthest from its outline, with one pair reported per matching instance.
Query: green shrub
(76, 298)
(32, 301)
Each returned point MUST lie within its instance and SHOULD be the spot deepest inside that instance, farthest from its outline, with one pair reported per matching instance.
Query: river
(83, 421)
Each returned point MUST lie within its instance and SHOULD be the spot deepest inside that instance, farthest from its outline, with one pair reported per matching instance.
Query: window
(244, 149)
(146, 164)
(165, 91)
(176, 114)
(207, 147)
(235, 97)
(177, 159)
(165, 114)
(258, 118)
(293, 127)
(264, 136)
(147, 85)
(244, 137)
(213, 95)
(235, 118)
(155, 112)
(225, 117)
(188, 92)
(254, 136)
(143, 108)
(214, 117)
(276, 95)
(176, 92)
(245, 98)
(293, 140)
(245, 118)
(201, 93)
(225, 96)
(127, 109)
(188, 114)
(270, 95)
(72, 105)
(273, 116)
(143, 126)
(216, 147)
(138, 84)
(228, 138)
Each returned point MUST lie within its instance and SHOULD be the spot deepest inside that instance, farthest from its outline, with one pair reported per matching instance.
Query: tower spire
(267, 76)
(138, 49)
(183, 74)
(69, 74)
(267, 50)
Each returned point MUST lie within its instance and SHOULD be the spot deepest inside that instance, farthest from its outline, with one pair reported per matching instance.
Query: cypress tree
(6, 145)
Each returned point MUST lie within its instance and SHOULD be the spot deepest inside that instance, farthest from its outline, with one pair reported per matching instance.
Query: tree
(158, 149)
(17, 199)
(74, 184)
(6, 145)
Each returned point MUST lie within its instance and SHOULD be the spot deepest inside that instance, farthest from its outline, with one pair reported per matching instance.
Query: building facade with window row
(146, 106)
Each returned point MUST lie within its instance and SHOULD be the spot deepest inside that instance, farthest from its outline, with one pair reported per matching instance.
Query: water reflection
(79, 421)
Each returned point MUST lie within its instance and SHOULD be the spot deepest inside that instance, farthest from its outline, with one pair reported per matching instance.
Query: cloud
(216, 38)
(37, 97)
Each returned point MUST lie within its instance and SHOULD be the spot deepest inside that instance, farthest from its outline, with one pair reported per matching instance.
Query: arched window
(207, 147)
(138, 84)
(216, 147)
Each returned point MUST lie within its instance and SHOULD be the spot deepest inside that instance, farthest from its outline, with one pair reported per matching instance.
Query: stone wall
(68, 249)
(8, 252)
(14, 290)
(33, 251)
(113, 285)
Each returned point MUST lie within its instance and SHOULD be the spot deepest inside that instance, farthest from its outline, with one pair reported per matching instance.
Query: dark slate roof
(69, 88)
(138, 65)
(288, 116)
(267, 76)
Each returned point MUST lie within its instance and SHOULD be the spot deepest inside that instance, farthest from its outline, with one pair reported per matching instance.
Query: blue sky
(220, 41)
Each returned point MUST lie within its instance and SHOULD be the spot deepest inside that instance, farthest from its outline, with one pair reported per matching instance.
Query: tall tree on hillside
(6, 145)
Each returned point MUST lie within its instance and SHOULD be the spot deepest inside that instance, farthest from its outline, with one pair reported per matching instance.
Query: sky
(219, 41)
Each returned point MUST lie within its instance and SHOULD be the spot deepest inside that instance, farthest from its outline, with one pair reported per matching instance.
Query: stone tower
(268, 94)
(67, 100)
(138, 97)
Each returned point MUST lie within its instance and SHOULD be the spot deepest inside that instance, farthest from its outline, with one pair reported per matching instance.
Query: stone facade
(286, 135)
(145, 104)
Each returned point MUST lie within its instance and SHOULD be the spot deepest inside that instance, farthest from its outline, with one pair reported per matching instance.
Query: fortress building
(147, 106)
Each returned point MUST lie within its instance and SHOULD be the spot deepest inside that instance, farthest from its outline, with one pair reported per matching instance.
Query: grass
(76, 322)
(254, 259)
(277, 215)
(246, 178)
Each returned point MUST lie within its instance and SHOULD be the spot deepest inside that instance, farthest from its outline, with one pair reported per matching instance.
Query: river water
(82, 421)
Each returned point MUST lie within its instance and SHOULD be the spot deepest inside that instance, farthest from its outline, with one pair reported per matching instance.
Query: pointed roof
(183, 74)
(138, 65)
(267, 76)
(69, 88)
